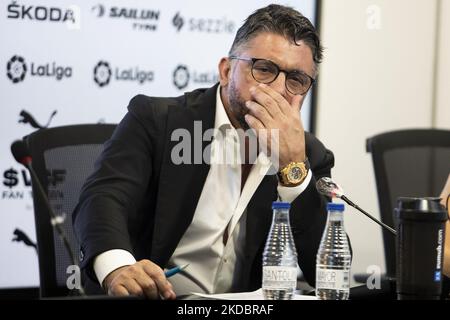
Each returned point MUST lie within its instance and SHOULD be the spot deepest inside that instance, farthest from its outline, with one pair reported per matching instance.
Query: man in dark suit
(153, 203)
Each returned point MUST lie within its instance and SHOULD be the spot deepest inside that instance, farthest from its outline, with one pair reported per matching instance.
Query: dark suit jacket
(138, 200)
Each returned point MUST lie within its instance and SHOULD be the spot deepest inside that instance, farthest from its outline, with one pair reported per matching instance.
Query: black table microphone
(329, 188)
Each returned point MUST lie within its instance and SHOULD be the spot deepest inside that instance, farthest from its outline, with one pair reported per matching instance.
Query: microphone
(329, 188)
(22, 155)
(20, 152)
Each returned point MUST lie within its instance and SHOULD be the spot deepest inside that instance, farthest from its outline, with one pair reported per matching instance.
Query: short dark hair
(282, 20)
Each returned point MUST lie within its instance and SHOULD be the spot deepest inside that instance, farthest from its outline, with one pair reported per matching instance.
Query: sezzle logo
(182, 76)
(103, 73)
(142, 17)
(207, 25)
(16, 69)
(178, 21)
(69, 15)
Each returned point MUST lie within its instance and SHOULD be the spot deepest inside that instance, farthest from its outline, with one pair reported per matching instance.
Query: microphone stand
(54, 221)
(354, 205)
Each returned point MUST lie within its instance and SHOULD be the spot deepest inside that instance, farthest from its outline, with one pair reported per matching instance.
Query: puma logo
(26, 117)
(20, 236)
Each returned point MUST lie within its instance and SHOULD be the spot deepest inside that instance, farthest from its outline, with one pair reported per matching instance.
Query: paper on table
(254, 295)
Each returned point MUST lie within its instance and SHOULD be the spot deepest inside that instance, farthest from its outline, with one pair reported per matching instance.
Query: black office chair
(410, 163)
(63, 157)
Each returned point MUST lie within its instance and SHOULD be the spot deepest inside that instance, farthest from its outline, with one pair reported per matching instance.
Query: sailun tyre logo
(102, 73)
(99, 10)
(181, 77)
(16, 69)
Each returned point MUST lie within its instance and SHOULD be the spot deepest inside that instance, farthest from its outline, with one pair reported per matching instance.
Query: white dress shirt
(214, 267)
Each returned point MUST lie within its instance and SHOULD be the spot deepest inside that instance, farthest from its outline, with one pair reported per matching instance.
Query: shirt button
(81, 255)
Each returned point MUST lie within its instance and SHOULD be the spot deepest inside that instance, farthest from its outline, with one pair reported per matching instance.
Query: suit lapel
(180, 185)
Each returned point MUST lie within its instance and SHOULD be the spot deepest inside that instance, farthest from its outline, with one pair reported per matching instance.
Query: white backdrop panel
(60, 43)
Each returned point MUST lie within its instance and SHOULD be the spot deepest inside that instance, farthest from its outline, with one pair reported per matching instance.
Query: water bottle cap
(335, 206)
(281, 205)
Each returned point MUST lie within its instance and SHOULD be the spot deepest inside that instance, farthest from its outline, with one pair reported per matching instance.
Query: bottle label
(332, 279)
(279, 277)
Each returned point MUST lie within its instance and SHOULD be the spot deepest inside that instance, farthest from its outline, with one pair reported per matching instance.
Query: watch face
(295, 174)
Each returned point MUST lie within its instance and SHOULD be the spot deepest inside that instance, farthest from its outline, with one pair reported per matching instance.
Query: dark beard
(237, 105)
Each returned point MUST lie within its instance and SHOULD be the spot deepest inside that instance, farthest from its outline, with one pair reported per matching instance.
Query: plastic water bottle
(280, 257)
(333, 258)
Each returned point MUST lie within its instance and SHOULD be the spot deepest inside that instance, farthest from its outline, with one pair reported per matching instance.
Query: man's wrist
(109, 278)
(289, 194)
(294, 173)
(111, 260)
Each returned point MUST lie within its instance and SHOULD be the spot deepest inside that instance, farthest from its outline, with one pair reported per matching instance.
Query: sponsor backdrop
(67, 62)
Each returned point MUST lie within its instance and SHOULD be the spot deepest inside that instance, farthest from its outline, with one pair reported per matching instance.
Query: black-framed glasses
(266, 71)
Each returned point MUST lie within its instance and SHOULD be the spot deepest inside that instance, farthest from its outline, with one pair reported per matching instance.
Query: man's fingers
(149, 288)
(269, 103)
(118, 291)
(254, 123)
(144, 278)
(281, 103)
(163, 286)
(259, 112)
(134, 288)
(125, 286)
(297, 102)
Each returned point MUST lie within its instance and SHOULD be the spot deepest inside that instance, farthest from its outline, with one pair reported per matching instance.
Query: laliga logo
(181, 77)
(16, 69)
(103, 72)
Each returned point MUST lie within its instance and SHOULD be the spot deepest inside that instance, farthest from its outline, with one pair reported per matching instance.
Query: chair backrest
(63, 157)
(409, 163)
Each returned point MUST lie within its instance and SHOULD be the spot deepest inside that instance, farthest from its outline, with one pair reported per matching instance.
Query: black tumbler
(419, 245)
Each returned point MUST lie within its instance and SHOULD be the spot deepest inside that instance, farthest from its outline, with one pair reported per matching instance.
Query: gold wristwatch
(294, 173)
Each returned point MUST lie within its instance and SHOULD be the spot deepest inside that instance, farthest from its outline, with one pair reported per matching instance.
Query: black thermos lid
(423, 209)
